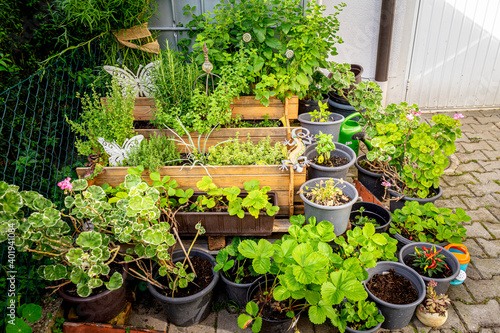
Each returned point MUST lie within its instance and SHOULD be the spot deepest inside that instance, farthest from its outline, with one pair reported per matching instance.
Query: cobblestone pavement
(473, 183)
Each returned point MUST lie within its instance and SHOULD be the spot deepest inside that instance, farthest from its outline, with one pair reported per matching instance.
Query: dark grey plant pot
(336, 215)
(396, 316)
(372, 210)
(189, 310)
(451, 261)
(402, 241)
(371, 180)
(318, 171)
(330, 127)
(401, 202)
(236, 292)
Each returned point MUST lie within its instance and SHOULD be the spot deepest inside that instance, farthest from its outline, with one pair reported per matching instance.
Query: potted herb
(237, 272)
(328, 158)
(363, 212)
(304, 274)
(322, 121)
(229, 210)
(428, 223)
(329, 199)
(431, 262)
(433, 312)
(361, 316)
(397, 290)
(317, 91)
(84, 268)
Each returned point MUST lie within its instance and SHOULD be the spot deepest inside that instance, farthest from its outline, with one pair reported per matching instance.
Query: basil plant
(32, 223)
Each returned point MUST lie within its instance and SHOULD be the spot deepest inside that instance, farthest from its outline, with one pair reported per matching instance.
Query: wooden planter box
(284, 183)
(103, 328)
(223, 224)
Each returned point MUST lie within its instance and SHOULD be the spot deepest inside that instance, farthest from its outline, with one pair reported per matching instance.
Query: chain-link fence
(37, 147)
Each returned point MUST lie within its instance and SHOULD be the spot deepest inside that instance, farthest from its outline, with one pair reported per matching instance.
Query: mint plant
(428, 223)
(361, 220)
(325, 147)
(322, 115)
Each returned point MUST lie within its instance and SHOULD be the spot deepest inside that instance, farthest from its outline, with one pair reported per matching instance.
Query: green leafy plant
(429, 260)
(362, 220)
(360, 316)
(309, 274)
(327, 193)
(434, 303)
(157, 151)
(236, 152)
(27, 313)
(233, 264)
(428, 223)
(325, 147)
(111, 119)
(219, 199)
(283, 43)
(322, 115)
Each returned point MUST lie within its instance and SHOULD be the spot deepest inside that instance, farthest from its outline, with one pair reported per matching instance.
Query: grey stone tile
(228, 323)
(481, 315)
(489, 165)
(325, 328)
(483, 189)
(460, 190)
(148, 313)
(474, 249)
(459, 293)
(453, 202)
(463, 179)
(472, 157)
(491, 247)
(468, 167)
(304, 325)
(473, 271)
(492, 154)
(486, 267)
(493, 228)
(206, 326)
(483, 289)
(477, 230)
(478, 202)
(474, 146)
(486, 177)
(481, 215)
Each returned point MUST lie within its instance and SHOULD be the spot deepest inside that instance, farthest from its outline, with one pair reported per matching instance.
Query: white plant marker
(141, 83)
(116, 153)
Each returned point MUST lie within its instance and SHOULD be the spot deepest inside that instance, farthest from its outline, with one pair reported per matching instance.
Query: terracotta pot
(431, 319)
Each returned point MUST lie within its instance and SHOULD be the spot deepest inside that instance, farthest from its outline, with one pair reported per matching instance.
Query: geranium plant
(428, 223)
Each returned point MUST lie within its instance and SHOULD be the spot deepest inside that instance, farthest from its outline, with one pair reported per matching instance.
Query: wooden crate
(284, 183)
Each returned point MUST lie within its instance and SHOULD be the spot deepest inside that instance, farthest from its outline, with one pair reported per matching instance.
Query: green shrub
(246, 153)
(154, 153)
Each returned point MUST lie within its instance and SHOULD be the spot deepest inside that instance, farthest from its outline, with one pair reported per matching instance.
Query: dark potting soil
(231, 275)
(70, 289)
(392, 288)
(439, 275)
(271, 309)
(141, 124)
(204, 275)
(334, 161)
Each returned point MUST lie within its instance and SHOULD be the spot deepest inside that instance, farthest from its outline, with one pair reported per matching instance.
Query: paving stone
(304, 325)
(488, 136)
(486, 177)
(489, 165)
(482, 189)
(206, 326)
(483, 289)
(492, 154)
(486, 267)
(148, 313)
(460, 190)
(479, 128)
(481, 315)
(453, 322)
(467, 167)
(325, 328)
(486, 120)
(477, 202)
(474, 146)
(477, 230)
(475, 156)
(472, 271)
(474, 249)
(459, 293)
(495, 212)
(453, 181)
(481, 215)
(491, 247)
(228, 323)
(453, 202)
(493, 228)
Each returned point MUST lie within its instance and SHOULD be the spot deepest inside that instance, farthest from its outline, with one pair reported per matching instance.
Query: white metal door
(455, 62)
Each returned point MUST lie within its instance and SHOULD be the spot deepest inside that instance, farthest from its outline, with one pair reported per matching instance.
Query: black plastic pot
(99, 308)
(371, 180)
(271, 326)
(401, 202)
(318, 171)
(236, 292)
(310, 105)
(396, 315)
(370, 330)
(402, 241)
(452, 262)
(189, 310)
(372, 210)
(338, 104)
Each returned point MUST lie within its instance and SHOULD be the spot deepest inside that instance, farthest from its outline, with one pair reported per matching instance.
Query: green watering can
(350, 128)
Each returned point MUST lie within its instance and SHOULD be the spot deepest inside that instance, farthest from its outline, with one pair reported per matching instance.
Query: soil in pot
(204, 275)
(336, 200)
(392, 288)
(271, 309)
(446, 272)
(334, 161)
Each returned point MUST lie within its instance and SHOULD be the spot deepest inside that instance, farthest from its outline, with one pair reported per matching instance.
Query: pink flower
(65, 184)
(386, 184)
(418, 113)
(390, 158)
(458, 116)
(409, 116)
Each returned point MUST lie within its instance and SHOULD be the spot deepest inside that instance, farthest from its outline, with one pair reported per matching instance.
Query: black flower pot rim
(363, 170)
(450, 256)
(234, 284)
(367, 204)
(424, 200)
(190, 298)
